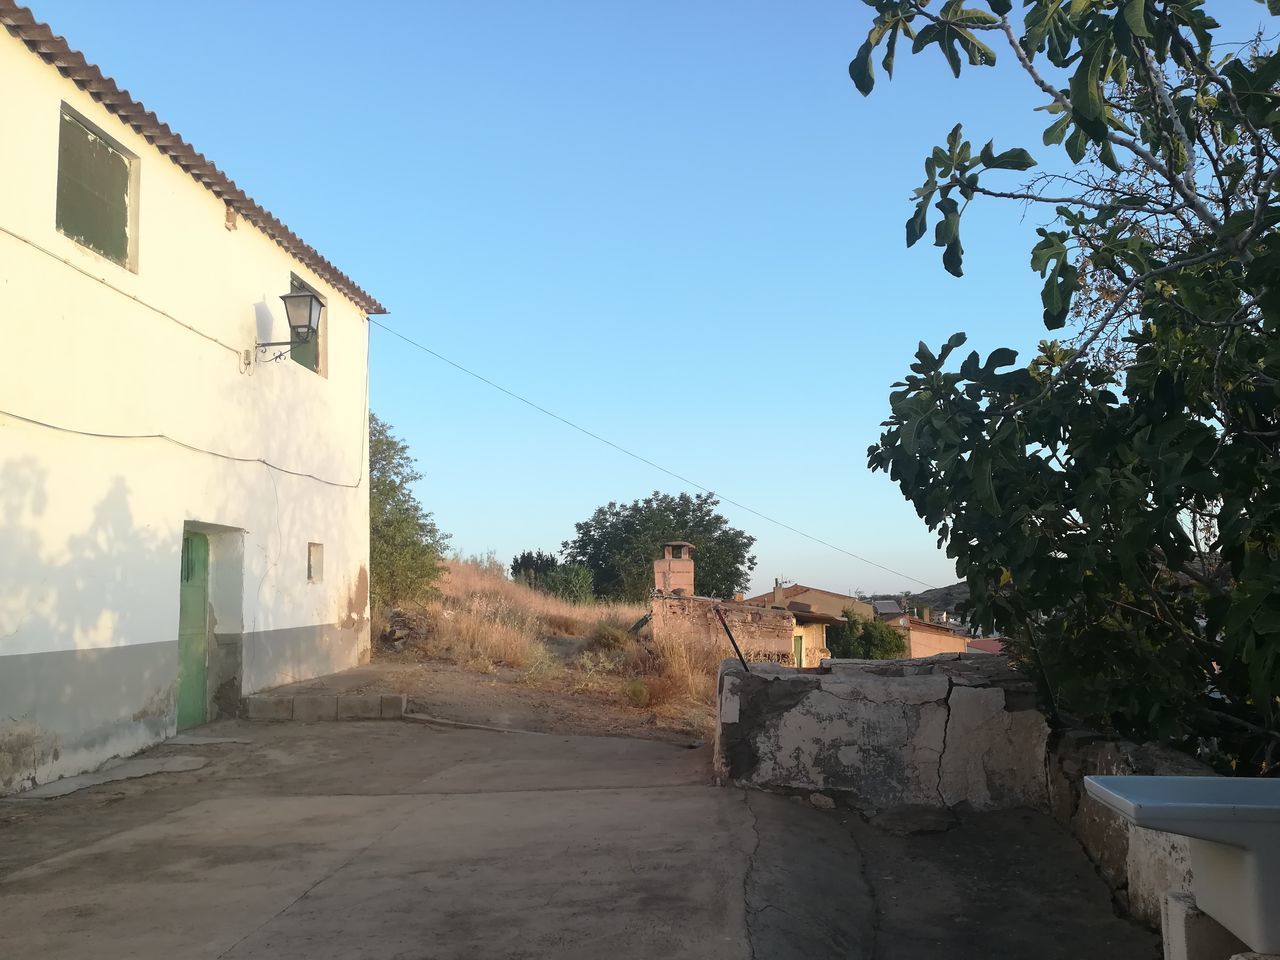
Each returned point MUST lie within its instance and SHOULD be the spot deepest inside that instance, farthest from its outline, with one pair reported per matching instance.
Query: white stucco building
(183, 519)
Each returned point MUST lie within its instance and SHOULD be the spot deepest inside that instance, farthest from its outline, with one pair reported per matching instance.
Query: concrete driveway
(395, 840)
(398, 840)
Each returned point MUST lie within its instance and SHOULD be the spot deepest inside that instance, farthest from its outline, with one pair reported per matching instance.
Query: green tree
(571, 582)
(1114, 504)
(619, 542)
(406, 548)
(862, 639)
(532, 567)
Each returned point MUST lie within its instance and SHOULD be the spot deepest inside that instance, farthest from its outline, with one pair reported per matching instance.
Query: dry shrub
(650, 691)
(607, 635)
(562, 624)
(687, 666)
(541, 667)
(379, 625)
(481, 629)
(636, 692)
(592, 665)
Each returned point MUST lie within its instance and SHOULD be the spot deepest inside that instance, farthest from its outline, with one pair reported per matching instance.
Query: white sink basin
(1234, 826)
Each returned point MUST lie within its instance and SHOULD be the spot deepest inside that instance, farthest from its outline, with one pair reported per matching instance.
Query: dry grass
(687, 669)
(468, 578)
(481, 620)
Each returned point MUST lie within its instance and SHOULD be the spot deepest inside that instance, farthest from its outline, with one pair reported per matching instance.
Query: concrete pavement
(398, 840)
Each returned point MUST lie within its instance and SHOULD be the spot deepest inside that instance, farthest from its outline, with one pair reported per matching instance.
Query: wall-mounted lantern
(302, 308)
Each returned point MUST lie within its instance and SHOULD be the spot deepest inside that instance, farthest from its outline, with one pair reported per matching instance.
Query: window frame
(133, 164)
(319, 340)
(315, 575)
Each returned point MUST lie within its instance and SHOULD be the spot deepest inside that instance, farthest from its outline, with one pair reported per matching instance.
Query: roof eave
(54, 50)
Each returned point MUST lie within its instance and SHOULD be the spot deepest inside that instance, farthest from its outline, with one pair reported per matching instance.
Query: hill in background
(938, 599)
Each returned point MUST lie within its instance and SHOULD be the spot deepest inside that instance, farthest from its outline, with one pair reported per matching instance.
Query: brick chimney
(778, 599)
(673, 571)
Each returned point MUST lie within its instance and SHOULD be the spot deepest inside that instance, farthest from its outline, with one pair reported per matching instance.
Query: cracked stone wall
(949, 730)
(938, 732)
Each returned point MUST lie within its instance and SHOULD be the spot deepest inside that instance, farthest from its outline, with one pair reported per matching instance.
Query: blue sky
(674, 223)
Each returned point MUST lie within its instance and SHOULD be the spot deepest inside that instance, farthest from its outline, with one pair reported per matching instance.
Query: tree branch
(1029, 67)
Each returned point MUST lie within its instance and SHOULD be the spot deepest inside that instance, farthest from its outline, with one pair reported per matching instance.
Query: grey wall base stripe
(66, 711)
(270, 658)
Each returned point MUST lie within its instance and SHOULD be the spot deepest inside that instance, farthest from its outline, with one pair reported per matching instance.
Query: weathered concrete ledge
(954, 730)
(936, 732)
(308, 707)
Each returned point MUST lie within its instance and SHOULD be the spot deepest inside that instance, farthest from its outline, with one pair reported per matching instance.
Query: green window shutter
(307, 353)
(93, 191)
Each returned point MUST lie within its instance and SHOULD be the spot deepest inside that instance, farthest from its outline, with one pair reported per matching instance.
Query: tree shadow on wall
(78, 597)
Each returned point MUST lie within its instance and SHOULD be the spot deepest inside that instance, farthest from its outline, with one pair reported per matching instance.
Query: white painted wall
(90, 529)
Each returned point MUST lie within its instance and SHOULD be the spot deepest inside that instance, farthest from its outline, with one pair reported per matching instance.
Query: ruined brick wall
(760, 631)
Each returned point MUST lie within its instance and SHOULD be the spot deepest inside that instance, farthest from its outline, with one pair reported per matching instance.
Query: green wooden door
(193, 631)
(798, 644)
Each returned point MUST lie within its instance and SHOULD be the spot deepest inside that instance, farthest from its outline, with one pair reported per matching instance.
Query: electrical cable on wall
(125, 293)
(186, 446)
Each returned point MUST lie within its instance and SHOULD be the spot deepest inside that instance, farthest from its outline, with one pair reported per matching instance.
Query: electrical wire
(188, 446)
(645, 460)
(226, 346)
(125, 293)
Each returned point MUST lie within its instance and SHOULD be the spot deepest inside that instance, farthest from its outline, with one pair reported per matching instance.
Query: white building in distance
(184, 516)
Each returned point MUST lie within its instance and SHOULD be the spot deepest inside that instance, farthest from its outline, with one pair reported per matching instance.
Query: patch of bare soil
(561, 701)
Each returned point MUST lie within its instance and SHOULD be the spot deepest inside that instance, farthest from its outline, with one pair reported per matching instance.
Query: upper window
(309, 353)
(95, 189)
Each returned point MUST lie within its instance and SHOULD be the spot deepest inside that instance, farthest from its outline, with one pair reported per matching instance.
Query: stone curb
(459, 724)
(310, 707)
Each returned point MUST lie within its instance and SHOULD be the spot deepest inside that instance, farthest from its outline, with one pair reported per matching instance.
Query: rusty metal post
(725, 623)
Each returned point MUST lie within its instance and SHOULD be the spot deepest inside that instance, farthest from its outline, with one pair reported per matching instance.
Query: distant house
(811, 600)
(183, 521)
(886, 609)
(924, 639)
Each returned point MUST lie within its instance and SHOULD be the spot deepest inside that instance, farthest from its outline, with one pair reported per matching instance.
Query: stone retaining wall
(950, 730)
